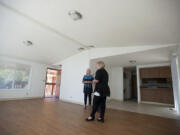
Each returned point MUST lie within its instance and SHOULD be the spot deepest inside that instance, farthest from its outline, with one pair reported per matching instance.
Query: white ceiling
(153, 56)
(48, 47)
(105, 23)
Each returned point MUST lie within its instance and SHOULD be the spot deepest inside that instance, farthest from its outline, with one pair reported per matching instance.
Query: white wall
(116, 83)
(175, 66)
(176, 85)
(37, 84)
(73, 70)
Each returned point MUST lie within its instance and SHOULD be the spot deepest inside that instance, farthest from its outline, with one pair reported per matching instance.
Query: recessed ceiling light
(28, 43)
(75, 15)
(174, 54)
(91, 46)
(81, 49)
(132, 61)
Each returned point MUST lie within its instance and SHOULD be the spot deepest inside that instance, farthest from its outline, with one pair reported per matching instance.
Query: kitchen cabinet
(156, 85)
(158, 95)
(155, 72)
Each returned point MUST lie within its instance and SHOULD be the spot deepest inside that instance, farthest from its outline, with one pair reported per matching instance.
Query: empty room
(89, 67)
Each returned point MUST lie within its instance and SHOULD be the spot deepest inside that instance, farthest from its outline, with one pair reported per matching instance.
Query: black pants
(99, 102)
(87, 95)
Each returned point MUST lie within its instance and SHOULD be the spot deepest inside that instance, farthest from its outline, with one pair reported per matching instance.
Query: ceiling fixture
(132, 61)
(75, 15)
(28, 43)
(174, 55)
(91, 46)
(81, 49)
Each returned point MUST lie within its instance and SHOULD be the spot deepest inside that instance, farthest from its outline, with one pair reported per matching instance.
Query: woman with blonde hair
(101, 91)
(87, 81)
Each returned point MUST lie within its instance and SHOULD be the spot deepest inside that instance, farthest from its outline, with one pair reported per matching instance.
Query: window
(14, 75)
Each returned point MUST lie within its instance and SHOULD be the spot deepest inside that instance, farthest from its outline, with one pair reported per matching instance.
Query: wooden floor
(39, 117)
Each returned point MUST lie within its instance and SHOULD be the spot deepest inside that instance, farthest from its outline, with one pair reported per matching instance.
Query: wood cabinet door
(149, 73)
(153, 72)
(165, 72)
(144, 73)
(157, 95)
(156, 72)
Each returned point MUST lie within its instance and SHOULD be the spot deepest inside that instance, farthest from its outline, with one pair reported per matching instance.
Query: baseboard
(70, 101)
(21, 98)
(155, 103)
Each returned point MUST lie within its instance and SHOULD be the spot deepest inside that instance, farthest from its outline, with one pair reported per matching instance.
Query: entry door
(58, 81)
(51, 76)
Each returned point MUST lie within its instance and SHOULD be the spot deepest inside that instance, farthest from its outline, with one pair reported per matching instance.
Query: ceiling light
(132, 61)
(81, 49)
(91, 46)
(174, 55)
(75, 15)
(28, 43)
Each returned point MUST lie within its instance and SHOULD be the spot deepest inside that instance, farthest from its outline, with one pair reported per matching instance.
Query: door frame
(124, 76)
(56, 78)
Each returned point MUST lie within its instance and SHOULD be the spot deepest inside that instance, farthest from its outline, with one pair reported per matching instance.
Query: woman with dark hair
(101, 91)
(87, 81)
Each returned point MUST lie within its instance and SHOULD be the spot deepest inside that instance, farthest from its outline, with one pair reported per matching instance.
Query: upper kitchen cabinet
(155, 72)
(165, 72)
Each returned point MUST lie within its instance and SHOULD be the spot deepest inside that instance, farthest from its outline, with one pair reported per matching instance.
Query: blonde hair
(100, 64)
(88, 69)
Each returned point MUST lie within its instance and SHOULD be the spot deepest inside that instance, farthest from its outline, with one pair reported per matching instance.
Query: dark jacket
(102, 86)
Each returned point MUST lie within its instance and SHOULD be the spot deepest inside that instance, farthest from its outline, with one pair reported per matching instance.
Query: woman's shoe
(100, 120)
(89, 118)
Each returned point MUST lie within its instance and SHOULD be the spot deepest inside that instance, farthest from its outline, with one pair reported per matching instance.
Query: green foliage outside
(7, 75)
(21, 76)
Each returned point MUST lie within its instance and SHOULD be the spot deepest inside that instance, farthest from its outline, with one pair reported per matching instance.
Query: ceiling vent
(75, 15)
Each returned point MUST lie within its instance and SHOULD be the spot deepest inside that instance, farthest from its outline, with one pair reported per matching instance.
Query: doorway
(52, 84)
(130, 84)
